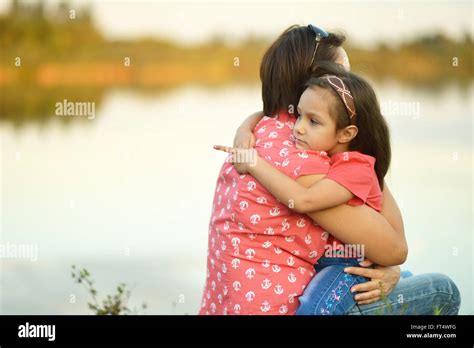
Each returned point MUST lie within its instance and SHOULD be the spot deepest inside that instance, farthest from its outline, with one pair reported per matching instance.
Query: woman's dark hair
(373, 137)
(286, 65)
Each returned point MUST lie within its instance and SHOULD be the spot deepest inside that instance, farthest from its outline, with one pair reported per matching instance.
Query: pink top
(260, 253)
(355, 171)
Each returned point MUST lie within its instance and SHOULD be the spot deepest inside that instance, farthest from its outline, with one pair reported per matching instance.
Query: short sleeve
(308, 162)
(355, 172)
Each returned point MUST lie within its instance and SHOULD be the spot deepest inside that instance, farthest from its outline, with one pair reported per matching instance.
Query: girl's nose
(299, 128)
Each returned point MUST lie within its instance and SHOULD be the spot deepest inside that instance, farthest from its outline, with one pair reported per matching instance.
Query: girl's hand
(381, 283)
(244, 138)
(242, 159)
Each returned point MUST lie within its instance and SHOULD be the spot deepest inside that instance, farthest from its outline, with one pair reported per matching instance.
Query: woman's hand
(244, 138)
(381, 283)
(242, 159)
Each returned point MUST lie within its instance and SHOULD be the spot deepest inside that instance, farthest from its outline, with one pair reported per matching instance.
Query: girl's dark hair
(286, 65)
(373, 137)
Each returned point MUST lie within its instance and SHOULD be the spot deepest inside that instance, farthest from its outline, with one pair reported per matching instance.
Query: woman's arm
(322, 194)
(391, 212)
(244, 136)
(383, 243)
(252, 121)
(383, 279)
(363, 225)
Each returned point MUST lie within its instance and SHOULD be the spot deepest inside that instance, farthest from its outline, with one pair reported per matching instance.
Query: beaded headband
(344, 94)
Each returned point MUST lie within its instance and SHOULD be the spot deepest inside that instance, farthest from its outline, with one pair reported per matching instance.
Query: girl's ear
(347, 134)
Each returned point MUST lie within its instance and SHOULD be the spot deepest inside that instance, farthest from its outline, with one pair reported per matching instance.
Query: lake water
(128, 194)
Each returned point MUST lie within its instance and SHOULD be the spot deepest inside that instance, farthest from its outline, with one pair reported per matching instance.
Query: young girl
(338, 115)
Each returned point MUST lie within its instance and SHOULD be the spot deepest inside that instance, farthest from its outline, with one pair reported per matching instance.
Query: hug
(321, 150)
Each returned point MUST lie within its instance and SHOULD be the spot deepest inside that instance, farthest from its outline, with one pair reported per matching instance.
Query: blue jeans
(424, 294)
(328, 293)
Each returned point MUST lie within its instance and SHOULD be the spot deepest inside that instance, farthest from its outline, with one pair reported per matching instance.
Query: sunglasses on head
(320, 34)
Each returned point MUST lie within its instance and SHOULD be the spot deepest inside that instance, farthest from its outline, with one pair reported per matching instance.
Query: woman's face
(315, 129)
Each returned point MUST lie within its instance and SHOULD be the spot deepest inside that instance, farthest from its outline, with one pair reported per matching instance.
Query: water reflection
(29, 103)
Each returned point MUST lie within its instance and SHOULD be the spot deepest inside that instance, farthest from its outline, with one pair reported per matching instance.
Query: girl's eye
(314, 122)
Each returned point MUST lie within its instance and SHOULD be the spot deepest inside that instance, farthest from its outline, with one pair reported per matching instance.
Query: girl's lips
(300, 141)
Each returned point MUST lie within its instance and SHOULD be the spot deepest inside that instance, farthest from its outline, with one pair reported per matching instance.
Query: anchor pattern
(260, 253)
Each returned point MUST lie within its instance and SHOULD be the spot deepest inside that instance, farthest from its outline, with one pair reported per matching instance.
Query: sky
(192, 22)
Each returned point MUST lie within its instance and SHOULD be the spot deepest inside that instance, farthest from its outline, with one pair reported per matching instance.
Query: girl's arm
(244, 136)
(326, 193)
(384, 242)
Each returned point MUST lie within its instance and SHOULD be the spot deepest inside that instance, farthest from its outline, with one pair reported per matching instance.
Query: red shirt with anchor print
(260, 253)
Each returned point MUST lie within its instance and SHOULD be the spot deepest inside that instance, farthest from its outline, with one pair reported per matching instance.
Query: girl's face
(315, 129)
